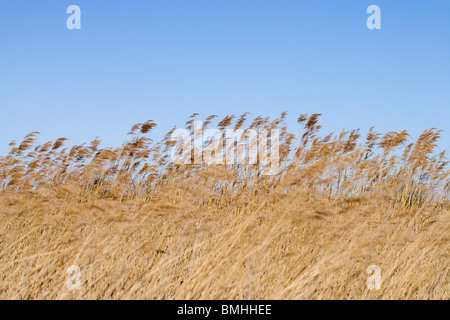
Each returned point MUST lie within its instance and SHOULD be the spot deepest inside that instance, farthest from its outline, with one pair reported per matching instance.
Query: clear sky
(165, 59)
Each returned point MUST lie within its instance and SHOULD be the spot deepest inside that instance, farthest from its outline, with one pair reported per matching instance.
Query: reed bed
(142, 227)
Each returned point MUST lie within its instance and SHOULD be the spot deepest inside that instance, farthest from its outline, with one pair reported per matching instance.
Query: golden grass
(140, 227)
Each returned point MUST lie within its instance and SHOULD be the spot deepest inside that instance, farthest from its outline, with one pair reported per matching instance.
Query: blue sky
(166, 59)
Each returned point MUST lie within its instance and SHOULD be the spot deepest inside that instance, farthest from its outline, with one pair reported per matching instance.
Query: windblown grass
(140, 226)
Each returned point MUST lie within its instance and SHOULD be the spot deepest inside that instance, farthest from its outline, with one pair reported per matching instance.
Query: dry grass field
(141, 227)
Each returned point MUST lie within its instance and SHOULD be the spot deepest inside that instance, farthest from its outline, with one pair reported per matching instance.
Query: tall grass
(140, 226)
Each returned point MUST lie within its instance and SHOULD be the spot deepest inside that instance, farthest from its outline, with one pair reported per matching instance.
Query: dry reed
(140, 226)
